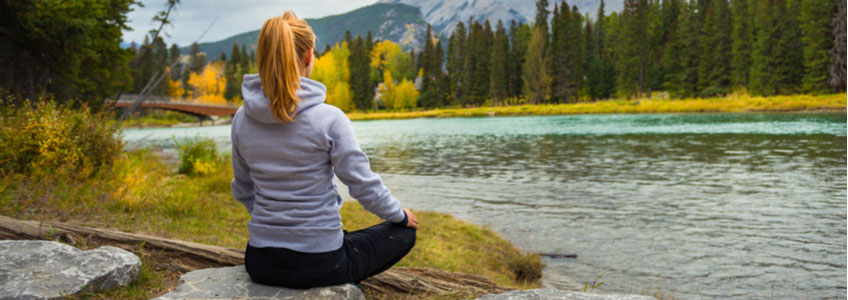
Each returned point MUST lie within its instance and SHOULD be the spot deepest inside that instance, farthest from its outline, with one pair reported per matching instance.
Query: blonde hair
(283, 43)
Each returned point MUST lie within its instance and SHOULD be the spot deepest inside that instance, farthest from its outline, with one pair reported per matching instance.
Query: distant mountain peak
(443, 15)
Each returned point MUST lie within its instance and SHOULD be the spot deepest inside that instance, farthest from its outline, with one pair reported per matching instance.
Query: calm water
(747, 206)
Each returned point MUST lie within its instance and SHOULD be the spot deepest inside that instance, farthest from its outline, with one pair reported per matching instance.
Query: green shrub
(47, 139)
(198, 156)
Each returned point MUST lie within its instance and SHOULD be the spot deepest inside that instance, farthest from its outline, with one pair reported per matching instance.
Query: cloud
(192, 17)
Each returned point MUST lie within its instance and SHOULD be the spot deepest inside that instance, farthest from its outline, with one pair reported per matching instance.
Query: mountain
(396, 22)
(444, 14)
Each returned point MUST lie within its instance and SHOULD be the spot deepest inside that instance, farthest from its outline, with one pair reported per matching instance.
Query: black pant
(364, 253)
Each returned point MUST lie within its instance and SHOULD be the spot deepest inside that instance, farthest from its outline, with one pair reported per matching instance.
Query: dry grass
(143, 195)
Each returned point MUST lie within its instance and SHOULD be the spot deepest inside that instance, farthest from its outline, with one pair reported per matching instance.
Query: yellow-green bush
(198, 156)
(46, 138)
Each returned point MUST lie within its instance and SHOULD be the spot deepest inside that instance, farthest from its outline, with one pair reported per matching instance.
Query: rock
(550, 294)
(234, 283)
(46, 269)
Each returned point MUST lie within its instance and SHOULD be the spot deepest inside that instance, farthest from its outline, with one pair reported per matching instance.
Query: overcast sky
(233, 17)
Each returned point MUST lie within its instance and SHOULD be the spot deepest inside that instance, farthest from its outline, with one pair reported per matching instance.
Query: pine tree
(360, 81)
(455, 63)
(633, 51)
(535, 73)
(837, 68)
(588, 50)
(348, 38)
(438, 74)
(519, 38)
(818, 41)
(431, 61)
(762, 54)
(743, 34)
(559, 64)
(685, 43)
(369, 42)
(245, 58)
(542, 13)
(174, 55)
(566, 57)
(576, 52)
(498, 79)
(160, 64)
(714, 70)
(482, 71)
(468, 65)
(791, 48)
(478, 64)
(776, 64)
(600, 76)
(670, 13)
(656, 31)
(235, 56)
(232, 73)
(672, 63)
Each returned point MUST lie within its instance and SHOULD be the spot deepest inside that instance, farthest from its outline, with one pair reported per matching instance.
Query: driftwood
(187, 256)
(557, 255)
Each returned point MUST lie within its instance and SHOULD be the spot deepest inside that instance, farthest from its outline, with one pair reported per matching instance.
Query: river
(703, 206)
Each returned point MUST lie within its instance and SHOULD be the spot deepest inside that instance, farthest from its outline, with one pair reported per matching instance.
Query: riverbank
(141, 194)
(730, 104)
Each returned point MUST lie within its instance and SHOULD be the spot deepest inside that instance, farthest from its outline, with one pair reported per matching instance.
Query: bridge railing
(171, 100)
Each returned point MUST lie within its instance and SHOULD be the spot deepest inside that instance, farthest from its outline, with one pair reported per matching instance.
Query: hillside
(400, 23)
(444, 14)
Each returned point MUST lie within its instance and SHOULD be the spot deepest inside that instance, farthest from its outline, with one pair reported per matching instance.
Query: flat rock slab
(234, 283)
(551, 294)
(46, 270)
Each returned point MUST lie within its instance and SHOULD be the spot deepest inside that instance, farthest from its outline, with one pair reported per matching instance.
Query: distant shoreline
(730, 104)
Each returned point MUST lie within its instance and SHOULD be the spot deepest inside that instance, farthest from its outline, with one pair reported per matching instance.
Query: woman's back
(287, 145)
(291, 167)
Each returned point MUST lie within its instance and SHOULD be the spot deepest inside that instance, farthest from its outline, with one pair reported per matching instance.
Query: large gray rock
(45, 269)
(550, 294)
(234, 283)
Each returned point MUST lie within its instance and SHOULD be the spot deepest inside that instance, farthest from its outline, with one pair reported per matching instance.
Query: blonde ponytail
(283, 43)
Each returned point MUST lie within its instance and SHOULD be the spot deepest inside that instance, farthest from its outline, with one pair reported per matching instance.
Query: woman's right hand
(412, 221)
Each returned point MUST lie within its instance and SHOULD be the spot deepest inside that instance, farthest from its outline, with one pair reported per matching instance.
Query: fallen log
(181, 255)
(188, 256)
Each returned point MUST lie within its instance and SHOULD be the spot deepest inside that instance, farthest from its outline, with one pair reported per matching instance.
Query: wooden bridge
(201, 111)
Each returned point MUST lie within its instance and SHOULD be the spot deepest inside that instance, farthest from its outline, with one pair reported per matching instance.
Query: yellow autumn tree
(208, 86)
(406, 96)
(389, 56)
(402, 96)
(331, 69)
(386, 91)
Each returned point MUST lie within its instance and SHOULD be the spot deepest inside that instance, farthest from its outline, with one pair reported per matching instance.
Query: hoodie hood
(258, 106)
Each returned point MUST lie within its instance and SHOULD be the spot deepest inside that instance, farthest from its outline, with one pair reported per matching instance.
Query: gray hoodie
(283, 172)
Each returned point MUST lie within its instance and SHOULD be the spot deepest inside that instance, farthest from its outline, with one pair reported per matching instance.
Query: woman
(287, 145)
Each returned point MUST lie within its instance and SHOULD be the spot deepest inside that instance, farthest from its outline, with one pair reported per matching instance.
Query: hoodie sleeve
(241, 185)
(353, 168)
